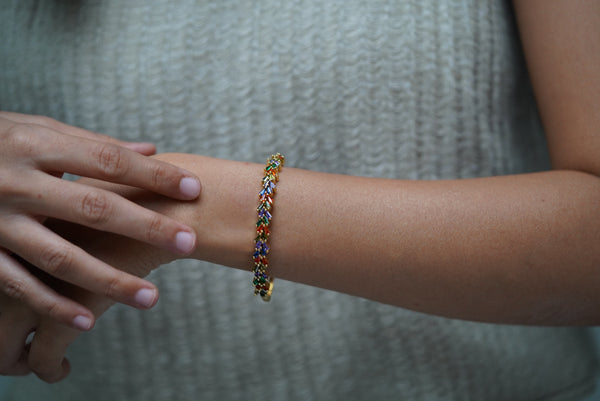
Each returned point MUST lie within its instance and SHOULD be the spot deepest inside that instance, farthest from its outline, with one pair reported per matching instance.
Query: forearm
(515, 249)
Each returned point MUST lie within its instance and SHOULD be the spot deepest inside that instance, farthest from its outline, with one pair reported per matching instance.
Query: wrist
(224, 215)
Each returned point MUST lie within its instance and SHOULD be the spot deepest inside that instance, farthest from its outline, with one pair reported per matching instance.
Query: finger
(144, 148)
(53, 151)
(46, 356)
(119, 165)
(106, 211)
(17, 283)
(16, 322)
(63, 260)
(51, 340)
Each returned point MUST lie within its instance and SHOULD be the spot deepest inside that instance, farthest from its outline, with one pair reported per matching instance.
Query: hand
(45, 356)
(34, 154)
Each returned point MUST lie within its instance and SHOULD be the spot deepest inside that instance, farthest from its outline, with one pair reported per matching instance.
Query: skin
(35, 153)
(516, 249)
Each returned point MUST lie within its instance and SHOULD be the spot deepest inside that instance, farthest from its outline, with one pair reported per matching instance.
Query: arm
(515, 249)
(520, 249)
(561, 40)
(508, 249)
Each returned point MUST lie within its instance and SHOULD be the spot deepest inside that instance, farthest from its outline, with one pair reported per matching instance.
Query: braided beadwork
(263, 279)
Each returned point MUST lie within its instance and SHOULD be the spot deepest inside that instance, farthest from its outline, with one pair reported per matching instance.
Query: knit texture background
(416, 89)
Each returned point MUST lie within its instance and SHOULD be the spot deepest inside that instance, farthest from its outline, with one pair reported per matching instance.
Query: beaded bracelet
(263, 280)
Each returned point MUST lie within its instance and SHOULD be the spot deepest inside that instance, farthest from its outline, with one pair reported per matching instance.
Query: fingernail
(189, 187)
(185, 242)
(145, 297)
(83, 323)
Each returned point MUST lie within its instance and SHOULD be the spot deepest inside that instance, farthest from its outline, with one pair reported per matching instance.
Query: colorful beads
(263, 280)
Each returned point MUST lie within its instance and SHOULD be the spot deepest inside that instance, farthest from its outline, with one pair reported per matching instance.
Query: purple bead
(265, 213)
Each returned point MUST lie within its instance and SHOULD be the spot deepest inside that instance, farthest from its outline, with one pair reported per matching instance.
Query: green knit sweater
(418, 89)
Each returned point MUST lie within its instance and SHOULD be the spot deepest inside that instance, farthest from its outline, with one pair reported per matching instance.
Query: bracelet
(263, 280)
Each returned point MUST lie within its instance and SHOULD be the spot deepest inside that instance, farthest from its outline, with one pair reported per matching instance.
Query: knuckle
(20, 139)
(15, 288)
(56, 260)
(154, 228)
(95, 208)
(53, 310)
(111, 161)
(159, 175)
(113, 288)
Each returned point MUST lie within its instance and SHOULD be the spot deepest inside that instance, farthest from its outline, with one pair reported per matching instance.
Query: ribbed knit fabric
(419, 89)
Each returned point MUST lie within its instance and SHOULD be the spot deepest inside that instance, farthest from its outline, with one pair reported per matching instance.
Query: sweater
(411, 89)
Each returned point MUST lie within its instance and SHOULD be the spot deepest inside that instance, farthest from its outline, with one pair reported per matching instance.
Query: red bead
(263, 230)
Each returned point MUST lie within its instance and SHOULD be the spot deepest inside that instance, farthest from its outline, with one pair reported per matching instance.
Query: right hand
(45, 354)
(34, 154)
